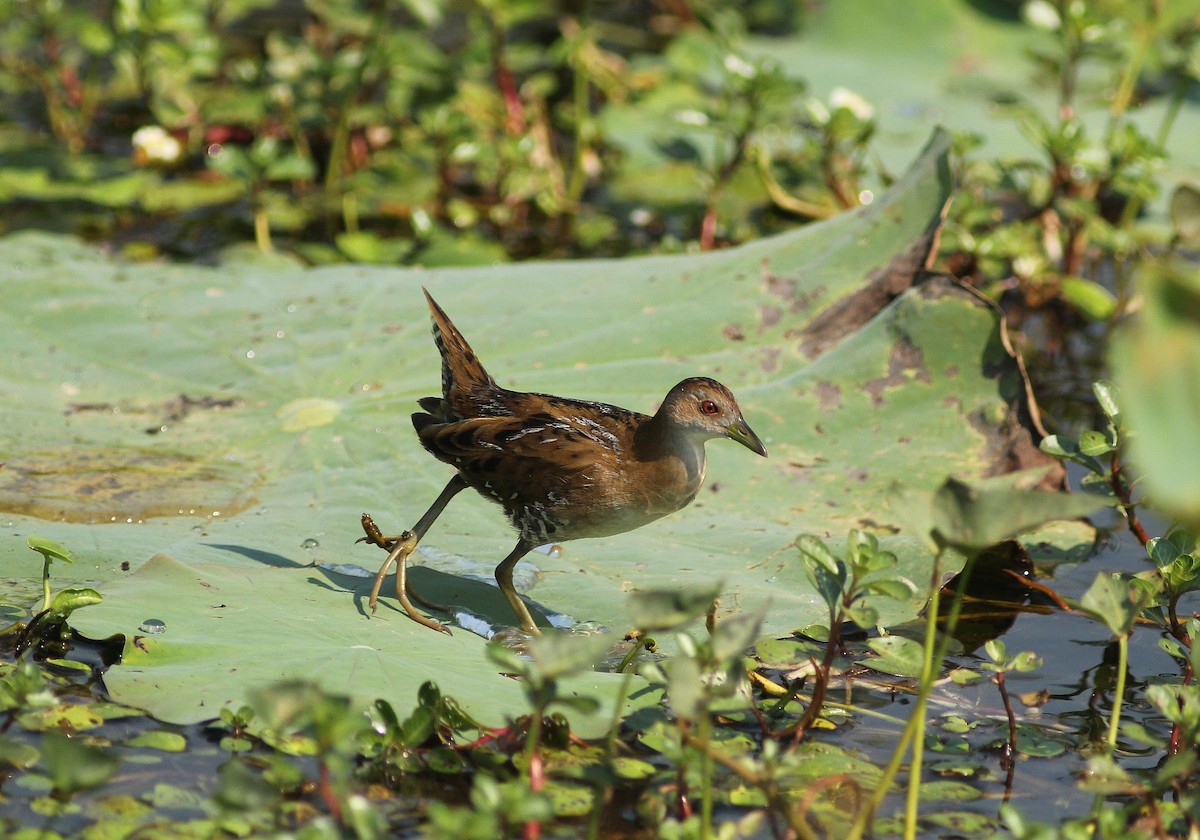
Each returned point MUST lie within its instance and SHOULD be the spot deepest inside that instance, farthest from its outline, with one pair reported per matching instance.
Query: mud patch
(97, 485)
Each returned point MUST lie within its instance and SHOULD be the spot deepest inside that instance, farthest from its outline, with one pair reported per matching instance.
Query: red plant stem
(325, 789)
(485, 738)
(1122, 492)
(1176, 730)
(537, 782)
(1043, 588)
(683, 805)
(835, 184)
(821, 682)
(1009, 759)
(537, 772)
(708, 228)
(514, 110)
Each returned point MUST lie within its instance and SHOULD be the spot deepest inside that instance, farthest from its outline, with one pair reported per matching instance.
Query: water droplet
(310, 544)
(153, 626)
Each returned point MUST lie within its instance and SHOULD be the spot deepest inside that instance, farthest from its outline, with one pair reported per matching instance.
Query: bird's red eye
(709, 407)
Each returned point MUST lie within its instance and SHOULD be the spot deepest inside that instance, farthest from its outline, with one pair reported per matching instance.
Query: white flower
(1041, 15)
(153, 144)
(840, 97)
(817, 112)
(692, 117)
(1027, 266)
(738, 66)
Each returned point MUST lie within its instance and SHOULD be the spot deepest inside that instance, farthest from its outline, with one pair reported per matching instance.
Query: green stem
(579, 95)
(644, 642)
(350, 212)
(533, 759)
(1173, 106)
(916, 722)
(337, 152)
(610, 750)
(706, 777)
(1119, 694)
(912, 799)
(262, 229)
(1124, 92)
(340, 144)
(46, 583)
(761, 779)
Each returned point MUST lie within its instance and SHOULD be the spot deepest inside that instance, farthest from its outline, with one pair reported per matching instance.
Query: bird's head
(703, 409)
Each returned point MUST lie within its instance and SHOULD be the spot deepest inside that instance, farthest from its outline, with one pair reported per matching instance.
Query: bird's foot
(399, 548)
(376, 537)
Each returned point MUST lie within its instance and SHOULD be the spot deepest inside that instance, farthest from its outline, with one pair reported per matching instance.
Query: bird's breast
(612, 501)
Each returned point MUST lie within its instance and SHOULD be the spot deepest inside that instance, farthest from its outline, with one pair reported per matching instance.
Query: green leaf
(1094, 444)
(159, 740)
(310, 634)
(368, 247)
(1089, 297)
(1156, 359)
(827, 584)
(863, 615)
(996, 651)
(238, 518)
(653, 610)
(1036, 742)
(1114, 602)
(50, 549)
(1026, 661)
(242, 789)
(1068, 449)
(69, 600)
(897, 588)
(290, 167)
(976, 516)
(685, 686)
(1185, 215)
(896, 655)
(864, 554)
(1109, 399)
(560, 654)
(16, 754)
(416, 728)
(733, 635)
(234, 162)
(73, 766)
(814, 552)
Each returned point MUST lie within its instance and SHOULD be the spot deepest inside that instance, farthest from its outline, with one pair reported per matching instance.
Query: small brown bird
(562, 469)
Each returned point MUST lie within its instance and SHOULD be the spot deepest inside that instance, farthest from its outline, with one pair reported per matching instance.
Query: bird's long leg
(375, 537)
(504, 577)
(401, 547)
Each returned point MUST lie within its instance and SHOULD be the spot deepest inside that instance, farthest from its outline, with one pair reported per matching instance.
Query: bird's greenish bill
(740, 431)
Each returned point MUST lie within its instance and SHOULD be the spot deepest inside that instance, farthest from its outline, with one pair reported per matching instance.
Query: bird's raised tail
(462, 372)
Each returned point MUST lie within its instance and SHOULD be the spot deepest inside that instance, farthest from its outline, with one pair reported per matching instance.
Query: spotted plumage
(561, 469)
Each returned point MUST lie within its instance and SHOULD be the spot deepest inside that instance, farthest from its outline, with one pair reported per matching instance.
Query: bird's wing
(523, 455)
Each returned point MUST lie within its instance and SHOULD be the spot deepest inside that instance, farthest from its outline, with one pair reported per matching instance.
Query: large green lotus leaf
(181, 662)
(239, 419)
